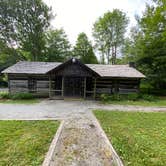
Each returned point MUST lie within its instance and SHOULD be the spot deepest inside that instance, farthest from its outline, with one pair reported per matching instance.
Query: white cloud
(77, 16)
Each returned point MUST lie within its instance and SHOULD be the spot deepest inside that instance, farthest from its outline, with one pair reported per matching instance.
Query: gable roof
(26, 67)
(116, 71)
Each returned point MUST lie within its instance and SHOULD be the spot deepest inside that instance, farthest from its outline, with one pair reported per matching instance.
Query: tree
(22, 25)
(57, 46)
(84, 50)
(108, 32)
(149, 44)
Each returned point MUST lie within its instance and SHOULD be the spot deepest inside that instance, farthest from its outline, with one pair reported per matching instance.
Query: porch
(61, 87)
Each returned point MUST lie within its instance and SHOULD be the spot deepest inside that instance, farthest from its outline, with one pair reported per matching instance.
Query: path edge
(115, 155)
(49, 156)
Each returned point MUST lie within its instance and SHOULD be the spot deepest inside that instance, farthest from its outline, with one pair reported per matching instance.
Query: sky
(76, 16)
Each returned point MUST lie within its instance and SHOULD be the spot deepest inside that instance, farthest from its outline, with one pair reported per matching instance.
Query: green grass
(139, 138)
(157, 102)
(21, 101)
(25, 143)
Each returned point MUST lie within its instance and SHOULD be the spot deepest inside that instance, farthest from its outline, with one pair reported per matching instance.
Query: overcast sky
(76, 16)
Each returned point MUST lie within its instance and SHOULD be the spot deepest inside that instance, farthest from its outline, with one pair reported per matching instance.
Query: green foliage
(57, 46)
(126, 97)
(4, 95)
(108, 32)
(148, 97)
(18, 96)
(148, 44)
(133, 96)
(104, 97)
(83, 50)
(22, 24)
(139, 138)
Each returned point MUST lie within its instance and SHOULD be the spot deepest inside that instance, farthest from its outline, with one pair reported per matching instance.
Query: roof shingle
(26, 67)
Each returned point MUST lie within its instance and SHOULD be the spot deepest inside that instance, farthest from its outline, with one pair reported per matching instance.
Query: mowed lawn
(139, 138)
(25, 143)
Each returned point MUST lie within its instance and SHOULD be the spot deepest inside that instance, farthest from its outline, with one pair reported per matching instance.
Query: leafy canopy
(83, 49)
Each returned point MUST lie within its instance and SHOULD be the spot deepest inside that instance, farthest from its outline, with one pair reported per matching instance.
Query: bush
(147, 97)
(4, 95)
(104, 97)
(133, 96)
(115, 97)
(19, 96)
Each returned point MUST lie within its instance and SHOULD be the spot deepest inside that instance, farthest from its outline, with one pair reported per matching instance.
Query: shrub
(115, 97)
(19, 96)
(104, 97)
(133, 96)
(147, 97)
(4, 95)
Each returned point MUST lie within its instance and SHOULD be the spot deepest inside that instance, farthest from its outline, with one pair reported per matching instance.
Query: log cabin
(72, 79)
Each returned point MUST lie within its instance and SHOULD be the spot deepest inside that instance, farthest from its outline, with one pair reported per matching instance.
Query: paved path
(82, 142)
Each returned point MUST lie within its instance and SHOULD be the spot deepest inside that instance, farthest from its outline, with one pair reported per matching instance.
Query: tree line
(26, 34)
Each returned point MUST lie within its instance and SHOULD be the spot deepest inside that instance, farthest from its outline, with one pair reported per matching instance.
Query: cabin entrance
(73, 86)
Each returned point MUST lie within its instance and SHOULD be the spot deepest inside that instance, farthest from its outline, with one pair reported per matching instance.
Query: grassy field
(139, 138)
(29, 101)
(25, 143)
(158, 102)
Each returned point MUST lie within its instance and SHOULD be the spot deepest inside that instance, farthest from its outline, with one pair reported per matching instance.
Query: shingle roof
(25, 67)
(116, 71)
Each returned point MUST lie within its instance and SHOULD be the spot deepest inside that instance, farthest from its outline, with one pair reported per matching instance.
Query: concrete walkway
(82, 142)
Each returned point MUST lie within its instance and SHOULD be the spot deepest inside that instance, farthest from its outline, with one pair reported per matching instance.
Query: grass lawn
(25, 143)
(157, 102)
(139, 138)
(29, 101)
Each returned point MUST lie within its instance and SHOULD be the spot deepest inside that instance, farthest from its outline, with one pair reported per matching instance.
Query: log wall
(20, 83)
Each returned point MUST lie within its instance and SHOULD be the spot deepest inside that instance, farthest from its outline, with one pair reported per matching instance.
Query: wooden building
(72, 79)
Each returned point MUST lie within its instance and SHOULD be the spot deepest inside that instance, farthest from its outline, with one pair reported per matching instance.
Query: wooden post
(8, 83)
(63, 86)
(84, 87)
(50, 86)
(116, 86)
(94, 94)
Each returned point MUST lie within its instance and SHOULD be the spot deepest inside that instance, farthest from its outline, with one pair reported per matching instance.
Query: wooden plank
(94, 94)
(63, 78)
(49, 86)
(84, 87)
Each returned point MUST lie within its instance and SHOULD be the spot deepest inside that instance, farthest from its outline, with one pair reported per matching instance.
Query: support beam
(63, 78)
(8, 83)
(116, 86)
(94, 93)
(50, 87)
(84, 87)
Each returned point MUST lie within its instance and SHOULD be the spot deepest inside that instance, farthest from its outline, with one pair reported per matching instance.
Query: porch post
(50, 86)
(63, 86)
(94, 93)
(84, 87)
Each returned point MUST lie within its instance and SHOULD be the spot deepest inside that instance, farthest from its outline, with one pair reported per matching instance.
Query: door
(73, 86)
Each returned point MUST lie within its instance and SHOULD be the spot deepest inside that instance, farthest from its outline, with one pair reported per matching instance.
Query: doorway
(73, 86)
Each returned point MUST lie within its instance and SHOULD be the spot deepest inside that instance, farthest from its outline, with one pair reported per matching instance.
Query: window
(32, 85)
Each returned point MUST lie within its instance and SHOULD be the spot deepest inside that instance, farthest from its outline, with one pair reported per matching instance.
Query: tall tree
(57, 46)
(22, 25)
(149, 44)
(108, 32)
(84, 50)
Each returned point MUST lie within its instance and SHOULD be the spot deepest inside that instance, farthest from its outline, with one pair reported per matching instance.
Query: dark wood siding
(74, 69)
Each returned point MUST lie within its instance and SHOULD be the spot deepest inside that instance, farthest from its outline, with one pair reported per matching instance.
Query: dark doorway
(73, 86)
